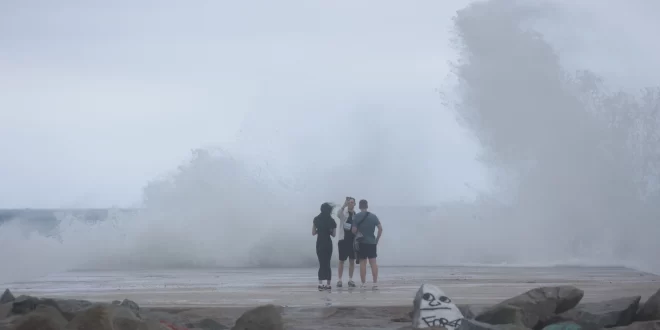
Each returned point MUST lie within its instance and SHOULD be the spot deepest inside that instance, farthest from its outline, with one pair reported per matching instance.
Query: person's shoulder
(375, 217)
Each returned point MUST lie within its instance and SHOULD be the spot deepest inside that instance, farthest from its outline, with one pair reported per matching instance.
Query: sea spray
(556, 198)
(575, 169)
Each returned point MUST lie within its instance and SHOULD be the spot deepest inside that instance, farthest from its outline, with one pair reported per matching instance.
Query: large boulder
(648, 325)
(651, 309)
(5, 310)
(42, 318)
(132, 305)
(266, 317)
(109, 317)
(605, 314)
(471, 311)
(6, 297)
(538, 305)
(433, 308)
(27, 304)
(502, 314)
(69, 307)
(468, 324)
(563, 326)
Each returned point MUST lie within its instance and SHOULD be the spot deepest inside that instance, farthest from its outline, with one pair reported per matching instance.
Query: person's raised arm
(340, 213)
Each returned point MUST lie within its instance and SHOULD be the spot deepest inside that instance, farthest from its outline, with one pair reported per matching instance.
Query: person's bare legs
(374, 270)
(351, 268)
(340, 270)
(363, 271)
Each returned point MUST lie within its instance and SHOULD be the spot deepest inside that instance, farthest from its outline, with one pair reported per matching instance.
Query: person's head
(326, 208)
(364, 205)
(350, 203)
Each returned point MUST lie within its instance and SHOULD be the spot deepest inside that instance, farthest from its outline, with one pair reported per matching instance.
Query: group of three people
(357, 242)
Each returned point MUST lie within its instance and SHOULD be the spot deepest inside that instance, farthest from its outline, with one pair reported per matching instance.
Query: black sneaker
(321, 287)
(328, 287)
(351, 284)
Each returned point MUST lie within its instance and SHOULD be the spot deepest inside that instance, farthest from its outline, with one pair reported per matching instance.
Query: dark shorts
(346, 250)
(367, 251)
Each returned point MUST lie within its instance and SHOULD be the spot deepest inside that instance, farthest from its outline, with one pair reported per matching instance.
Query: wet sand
(297, 287)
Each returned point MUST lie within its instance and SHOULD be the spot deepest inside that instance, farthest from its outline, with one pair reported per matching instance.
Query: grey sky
(98, 98)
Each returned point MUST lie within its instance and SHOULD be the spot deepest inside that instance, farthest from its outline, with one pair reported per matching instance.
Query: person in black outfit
(324, 227)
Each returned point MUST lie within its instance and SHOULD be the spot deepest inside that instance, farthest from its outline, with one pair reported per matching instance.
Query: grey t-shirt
(366, 226)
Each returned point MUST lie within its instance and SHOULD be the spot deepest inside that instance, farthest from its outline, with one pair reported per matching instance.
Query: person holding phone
(324, 226)
(345, 243)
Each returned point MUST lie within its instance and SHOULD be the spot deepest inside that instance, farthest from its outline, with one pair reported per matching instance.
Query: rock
(651, 309)
(432, 307)
(69, 307)
(502, 314)
(260, 318)
(116, 302)
(132, 305)
(539, 304)
(470, 311)
(27, 304)
(6, 297)
(468, 324)
(648, 325)
(43, 318)
(209, 324)
(5, 310)
(606, 314)
(107, 317)
(563, 326)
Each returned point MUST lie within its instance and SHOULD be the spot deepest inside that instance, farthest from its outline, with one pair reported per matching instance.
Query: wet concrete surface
(297, 287)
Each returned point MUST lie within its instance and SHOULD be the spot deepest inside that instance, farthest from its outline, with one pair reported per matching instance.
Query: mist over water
(567, 173)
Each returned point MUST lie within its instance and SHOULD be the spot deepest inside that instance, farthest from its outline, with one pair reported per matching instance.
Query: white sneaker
(363, 286)
(374, 287)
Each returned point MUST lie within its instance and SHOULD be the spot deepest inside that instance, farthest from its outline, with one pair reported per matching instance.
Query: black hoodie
(324, 224)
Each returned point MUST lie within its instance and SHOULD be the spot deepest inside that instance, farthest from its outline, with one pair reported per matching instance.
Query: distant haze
(476, 135)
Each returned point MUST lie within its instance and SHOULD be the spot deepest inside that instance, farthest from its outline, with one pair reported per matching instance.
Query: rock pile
(32, 313)
(559, 308)
(28, 313)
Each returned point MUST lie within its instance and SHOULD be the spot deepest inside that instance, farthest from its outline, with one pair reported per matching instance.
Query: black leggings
(324, 253)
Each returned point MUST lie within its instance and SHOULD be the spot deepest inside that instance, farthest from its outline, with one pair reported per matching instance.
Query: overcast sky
(97, 98)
